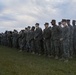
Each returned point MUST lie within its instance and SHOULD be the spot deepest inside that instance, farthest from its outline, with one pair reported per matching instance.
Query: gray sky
(17, 14)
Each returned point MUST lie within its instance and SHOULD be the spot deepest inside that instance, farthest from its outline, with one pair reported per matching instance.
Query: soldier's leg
(13, 42)
(52, 48)
(39, 47)
(66, 50)
(36, 46)
(56, 43)
(48, 48)
(32, 46)
(44, 43)
(74, 46)
(71, 48)
(60, 49)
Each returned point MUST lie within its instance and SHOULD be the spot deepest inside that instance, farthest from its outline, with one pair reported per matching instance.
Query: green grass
(14, 63)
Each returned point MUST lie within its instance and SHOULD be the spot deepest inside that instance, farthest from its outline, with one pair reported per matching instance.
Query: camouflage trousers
(71, 47)
(55, 47)
(38, 46)
(66, 49)
(47, 47)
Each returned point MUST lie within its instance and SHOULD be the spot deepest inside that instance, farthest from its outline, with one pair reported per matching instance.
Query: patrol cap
(22, 30)
(59, 23)
(53, 20)
(28, 27)
(46, 23)
(68, 20)
(33, 27)
(37, 24)
(64, 20)
(74, 21)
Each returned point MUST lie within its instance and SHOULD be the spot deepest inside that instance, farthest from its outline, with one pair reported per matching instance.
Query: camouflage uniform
(15, 39)
(71, 41)
(31, 41)
(55, 40)
(28, 40)
(60, 43)
(0, 38)
(47, 43)
(38, 40)
(74, 40)
(66, 34)
(9, 38)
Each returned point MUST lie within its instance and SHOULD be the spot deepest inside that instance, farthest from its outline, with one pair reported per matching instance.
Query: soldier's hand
(61, 39)
(34, 38)
(44, 38)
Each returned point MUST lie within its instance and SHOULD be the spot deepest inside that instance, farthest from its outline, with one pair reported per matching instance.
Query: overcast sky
(17, 14)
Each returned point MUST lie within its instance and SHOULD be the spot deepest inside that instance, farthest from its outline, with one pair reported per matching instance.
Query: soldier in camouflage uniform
(60, 42)
(15, 39)
(20, 40)
(5, 40)
(0, 38)
(65, 39)
(38, 39)
(74, 36)
(31, 40)
(9, 38)
(55, 39)
(70, 39)
(28, 38)
(46, 38)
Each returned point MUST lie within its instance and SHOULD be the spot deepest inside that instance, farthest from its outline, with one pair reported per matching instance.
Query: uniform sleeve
(67, 33)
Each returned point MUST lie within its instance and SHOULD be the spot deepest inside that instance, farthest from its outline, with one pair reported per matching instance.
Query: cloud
(21, 13)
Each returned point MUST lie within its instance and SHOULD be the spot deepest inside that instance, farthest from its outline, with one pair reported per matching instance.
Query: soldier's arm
(38, 33)
(67, 34)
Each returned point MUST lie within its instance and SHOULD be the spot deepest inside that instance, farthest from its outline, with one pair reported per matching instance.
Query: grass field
(14, 63)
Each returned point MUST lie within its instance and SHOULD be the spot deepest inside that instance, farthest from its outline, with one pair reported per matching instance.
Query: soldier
(74, 36)
(55, 39)
(47, 37)
(5, 40)
(38, 39)
(31, 41)
(60, 42)
(21, 40)
(28, 38)
(0, 38)
(70, 39)
(15, 39)
(9, 37)
(65, 39)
